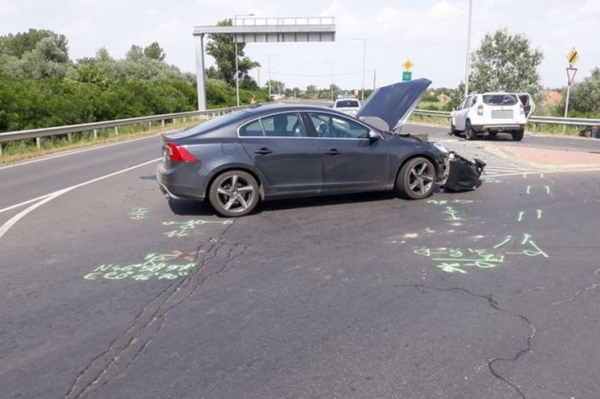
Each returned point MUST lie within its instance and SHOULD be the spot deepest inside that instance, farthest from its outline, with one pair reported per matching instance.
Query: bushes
(31, 104)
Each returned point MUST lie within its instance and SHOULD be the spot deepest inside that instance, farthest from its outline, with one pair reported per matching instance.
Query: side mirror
(373, 136)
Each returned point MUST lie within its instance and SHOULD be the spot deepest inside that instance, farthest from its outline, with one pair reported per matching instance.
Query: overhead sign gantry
(262, 30)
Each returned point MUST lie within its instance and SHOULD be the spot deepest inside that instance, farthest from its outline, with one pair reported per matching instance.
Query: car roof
(266, 109)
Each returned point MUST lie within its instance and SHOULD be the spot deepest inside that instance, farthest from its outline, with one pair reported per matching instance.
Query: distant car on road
(349, 106)
(296, 150)
(491, 113)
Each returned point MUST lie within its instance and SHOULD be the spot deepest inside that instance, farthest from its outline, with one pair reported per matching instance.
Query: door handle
(333, 151)
(263, 151)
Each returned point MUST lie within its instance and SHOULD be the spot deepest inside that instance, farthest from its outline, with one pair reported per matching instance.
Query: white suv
(349, 106)
(491, 113)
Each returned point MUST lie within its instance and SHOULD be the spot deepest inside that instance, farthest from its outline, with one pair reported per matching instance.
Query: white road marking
(47, 198)
(9, 208)
(72, 152)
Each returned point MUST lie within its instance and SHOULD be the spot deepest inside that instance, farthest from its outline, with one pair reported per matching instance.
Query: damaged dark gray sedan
(286, 151)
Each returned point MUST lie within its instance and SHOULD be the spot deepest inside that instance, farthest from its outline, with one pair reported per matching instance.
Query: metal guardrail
(37, 134)
(94, 127)
(535, 120)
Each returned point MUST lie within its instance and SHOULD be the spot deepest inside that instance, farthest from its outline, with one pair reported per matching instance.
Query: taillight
(480, 110)
(178, 153)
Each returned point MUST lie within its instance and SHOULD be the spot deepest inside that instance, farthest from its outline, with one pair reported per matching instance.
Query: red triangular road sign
(571, 75)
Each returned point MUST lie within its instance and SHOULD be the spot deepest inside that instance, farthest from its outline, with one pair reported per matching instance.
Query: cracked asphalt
(111, 292)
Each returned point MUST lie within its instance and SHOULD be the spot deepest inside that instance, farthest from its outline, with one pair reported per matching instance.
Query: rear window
(211, 124)
(347, 104)
(500, 99)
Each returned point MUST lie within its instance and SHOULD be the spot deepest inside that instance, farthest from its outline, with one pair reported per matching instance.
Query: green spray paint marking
(452, 214)
(457, 260)
(538, 213)
(491, 180)
(185, 227)
(155, 266)
(138, 213)
(446, 202)
(548, 190)
(454, 260)
(526, 241)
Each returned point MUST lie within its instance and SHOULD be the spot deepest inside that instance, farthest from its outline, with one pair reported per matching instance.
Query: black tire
(234, 193)
(518, 135)
(416, 179)
(469, 132)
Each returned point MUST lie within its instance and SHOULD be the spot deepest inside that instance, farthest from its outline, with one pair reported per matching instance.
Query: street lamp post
(269, 82)
(237, 77)
(468, 61)
(362, 94)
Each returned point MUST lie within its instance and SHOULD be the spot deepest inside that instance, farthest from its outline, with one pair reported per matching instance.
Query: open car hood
(388, 107)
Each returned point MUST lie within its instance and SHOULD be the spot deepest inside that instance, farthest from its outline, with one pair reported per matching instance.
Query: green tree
(47, 60)
(135, 53)
(312, 91)
(21, 43)
(506, 62)
(584, 97)
(222, 48)
(155, 52)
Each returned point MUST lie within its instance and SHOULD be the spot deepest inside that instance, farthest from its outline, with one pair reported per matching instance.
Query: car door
(459, 116)
(288, 159)
(528, 104)
(350, 159)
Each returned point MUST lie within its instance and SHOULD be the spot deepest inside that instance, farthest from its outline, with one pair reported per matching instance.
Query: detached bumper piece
(463, 174)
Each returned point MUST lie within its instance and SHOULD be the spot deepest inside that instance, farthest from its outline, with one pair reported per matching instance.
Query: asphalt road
(109, 291)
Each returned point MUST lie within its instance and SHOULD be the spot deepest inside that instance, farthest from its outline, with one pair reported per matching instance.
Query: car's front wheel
(416, 179)
(453, 130)
(518, 135)
(234, 193)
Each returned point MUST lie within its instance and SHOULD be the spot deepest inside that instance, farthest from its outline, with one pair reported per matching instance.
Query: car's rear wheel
(518, 135)
(234, 193)
(416, 179)
(469, 132)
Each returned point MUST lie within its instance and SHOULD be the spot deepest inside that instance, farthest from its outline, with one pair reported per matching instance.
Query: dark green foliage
(506, 62)
(223, 49)
(42, 87)
(584, 99)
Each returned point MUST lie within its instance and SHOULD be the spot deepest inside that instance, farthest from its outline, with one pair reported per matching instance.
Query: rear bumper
(181, 182)
(498, 127)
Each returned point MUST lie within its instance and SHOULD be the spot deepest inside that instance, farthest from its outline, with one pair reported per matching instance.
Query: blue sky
(432, 34)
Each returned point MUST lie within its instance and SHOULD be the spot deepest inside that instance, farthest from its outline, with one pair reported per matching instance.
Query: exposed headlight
(442, 147)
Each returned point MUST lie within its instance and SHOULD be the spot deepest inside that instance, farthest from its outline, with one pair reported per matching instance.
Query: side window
(284, 125)
(253, 129)
(473, 101)
(327, 125)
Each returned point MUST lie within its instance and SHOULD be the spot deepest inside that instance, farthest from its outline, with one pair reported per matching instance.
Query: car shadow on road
(196, 208)
(319, 201)
(191, 208)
